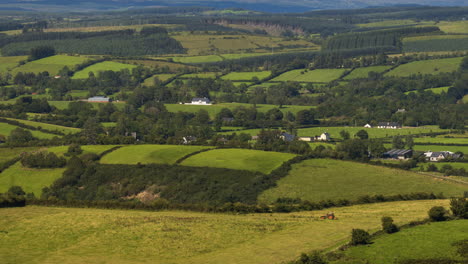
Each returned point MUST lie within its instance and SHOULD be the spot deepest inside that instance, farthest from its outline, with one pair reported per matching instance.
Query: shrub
(388, 226)
(437, 214)
(314, 258)
(16, 190)
(360, 237)
(459, 207)
(74, 149)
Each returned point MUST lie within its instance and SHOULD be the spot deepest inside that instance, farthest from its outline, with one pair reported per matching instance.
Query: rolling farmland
(5, 129)
(323, 179)
(8, 63)
(102, 66)
(51, 64)
(363, 72)
(246, 76)
(319, 75)
(426, 67)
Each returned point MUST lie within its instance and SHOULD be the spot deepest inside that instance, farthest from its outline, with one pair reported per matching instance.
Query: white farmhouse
(201, 101)
(324, 137)
(367, 126)
(99, 99)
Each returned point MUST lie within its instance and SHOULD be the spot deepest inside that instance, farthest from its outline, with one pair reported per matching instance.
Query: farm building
(367, 126)
(440, 155)
(400, 154)
(287, 137)
(307, 139)
(201, 101)
(188, 139)
(323, 137)
(389, 125)
(99, 99)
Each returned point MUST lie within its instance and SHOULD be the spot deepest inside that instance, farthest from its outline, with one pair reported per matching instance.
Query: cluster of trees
(447, 170)
(14, 197)
(42, 159)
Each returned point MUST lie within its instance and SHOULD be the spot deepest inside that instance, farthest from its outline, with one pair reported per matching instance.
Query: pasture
(302, 75)
(373, 132)
(102, 66)
(7, 154)
(51, 64)
(426, 67)
(323, 179)
(147, 154)
(161, 77)
(363, 72)
(246, 76)
(463, 149)
(420, 242)
(442, 140)
(157, 64)
(198, 59)
(51, 127)
(216, 108)
(5, 129)
(239, 159)
(77, 235)
(201, 75)
(8, 63)
(97, 149)
(31, 180)
(457, 27)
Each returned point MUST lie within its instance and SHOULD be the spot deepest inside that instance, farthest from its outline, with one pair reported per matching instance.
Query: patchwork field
(201, 75)
(246, 76)
(7, 154)
(363, 72)
(426, 67)
(460, 27)
(50, 127)
(5, 129)
(373, 132)
(442, 140)
(8, 63)
(437, 90)
(97, 149)
(102, 66)
(146, 154)
(31, 180)
(198, 59)
(216, 108)
(463, 149)
(239, 159)
(420, 242)
(323, 179)
(51, 64)
(319, 75)
(69, 235)
(161, 77)
(157, 64)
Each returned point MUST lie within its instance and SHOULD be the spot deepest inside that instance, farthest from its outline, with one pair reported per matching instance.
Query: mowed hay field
(102, 66)
(426, 67)
(246, 76)
(146, 154)
(373, 132)
(239, 159)
(323, 179)
(319, 75)
(363, 72)
(51, 64)
(435, 240)
(71, 235)
(5, 129)
(8, 63)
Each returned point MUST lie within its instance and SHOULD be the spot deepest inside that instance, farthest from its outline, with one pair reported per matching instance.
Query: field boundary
(180, 160)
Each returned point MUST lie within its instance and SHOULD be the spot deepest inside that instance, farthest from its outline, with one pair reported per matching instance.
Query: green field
(246, 76)
(437, 90)
(239, 159)
(202, 75)
(97, 149)
(442, 140)
(51, 64)
(102, 66)
(420, 242)
(51, 127)
(64, 104)
(373, 132)
(320, 75)
(323, 179)
(426, 67)
(7, 154)
(8, 63)
(5, 129)
(463, 149)
(146, 154)
(198, 59)
(363, 72)
(71, 235)
(460, 27)
(455, 165)
(31, 180)
(161, 77)
(216, 108)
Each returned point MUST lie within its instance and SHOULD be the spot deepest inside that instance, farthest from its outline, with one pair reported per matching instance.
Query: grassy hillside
(239, 159)
(8, 63)
(102, 66)
(145, 154)
(320, 75)
(31, 180)
(51, 127)
(51, 64)
(364, 72)
(322, 179)
(426, 67)
(5, 129)
(66, 235)
(434, 240)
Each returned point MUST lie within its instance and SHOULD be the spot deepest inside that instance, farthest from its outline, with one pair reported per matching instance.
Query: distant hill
(280, 6)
